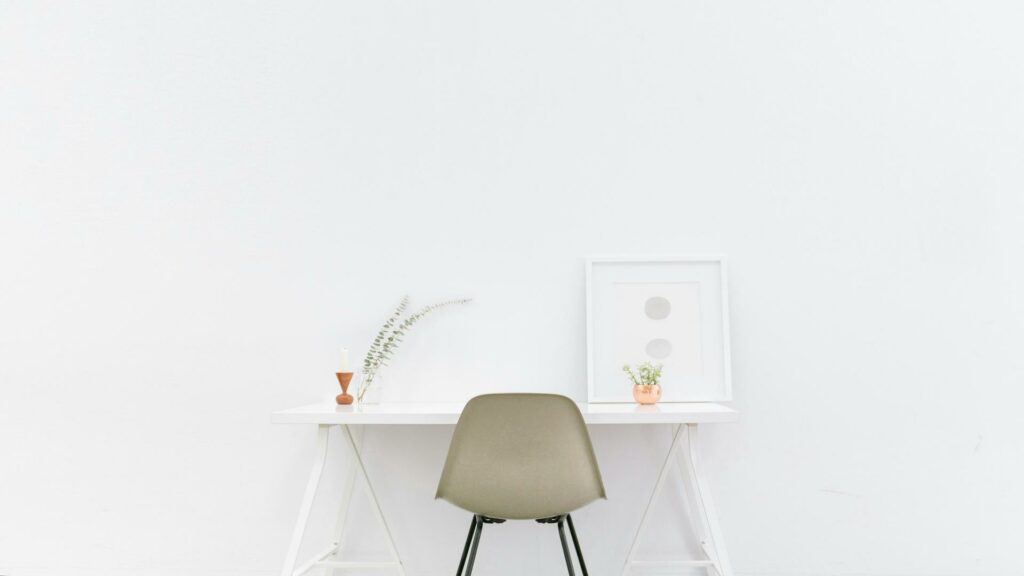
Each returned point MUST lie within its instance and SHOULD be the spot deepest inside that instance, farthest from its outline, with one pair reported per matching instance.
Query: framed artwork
(668, 310)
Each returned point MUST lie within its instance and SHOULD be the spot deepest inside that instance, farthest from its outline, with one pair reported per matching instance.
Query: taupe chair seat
(520, 457)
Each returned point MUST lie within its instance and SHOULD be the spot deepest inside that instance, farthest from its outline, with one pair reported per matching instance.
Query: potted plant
(645, 378)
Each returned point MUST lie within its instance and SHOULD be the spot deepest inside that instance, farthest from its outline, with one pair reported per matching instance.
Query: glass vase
(371, 387)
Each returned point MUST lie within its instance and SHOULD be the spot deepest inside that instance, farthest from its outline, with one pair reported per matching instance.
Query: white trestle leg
(312, 484)
(341, 525)
(703, 517)
(356, 468)
(712, 542)
(361, 470)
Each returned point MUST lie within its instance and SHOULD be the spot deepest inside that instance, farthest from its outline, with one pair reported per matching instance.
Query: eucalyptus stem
(383, 348)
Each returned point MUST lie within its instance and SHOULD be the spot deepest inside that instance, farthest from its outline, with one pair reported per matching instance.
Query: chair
(520, 457)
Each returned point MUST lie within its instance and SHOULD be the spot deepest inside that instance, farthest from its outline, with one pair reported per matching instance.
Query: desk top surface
(448, 413)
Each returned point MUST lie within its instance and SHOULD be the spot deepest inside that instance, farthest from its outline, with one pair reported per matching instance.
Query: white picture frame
(672, 310)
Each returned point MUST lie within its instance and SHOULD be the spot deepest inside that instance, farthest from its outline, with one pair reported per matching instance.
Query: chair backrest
(521, 456)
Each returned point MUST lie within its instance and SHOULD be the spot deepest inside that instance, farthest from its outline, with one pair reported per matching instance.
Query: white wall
(201, 201)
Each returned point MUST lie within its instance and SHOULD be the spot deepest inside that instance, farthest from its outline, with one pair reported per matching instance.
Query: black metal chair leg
(465, 549)
(565, 546)
(576, 543)
(476, 543)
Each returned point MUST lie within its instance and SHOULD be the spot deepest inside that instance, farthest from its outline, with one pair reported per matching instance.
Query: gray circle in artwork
(657, 308)
(659, 348)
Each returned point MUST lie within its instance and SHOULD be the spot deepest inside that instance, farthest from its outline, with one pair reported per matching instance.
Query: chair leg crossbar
(476, 526)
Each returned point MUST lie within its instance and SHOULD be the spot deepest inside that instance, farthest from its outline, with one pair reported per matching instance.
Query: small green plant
(390, 335)
(645, 374)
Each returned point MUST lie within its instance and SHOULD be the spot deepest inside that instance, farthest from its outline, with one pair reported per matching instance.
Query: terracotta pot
(647, 394)
(344, 378)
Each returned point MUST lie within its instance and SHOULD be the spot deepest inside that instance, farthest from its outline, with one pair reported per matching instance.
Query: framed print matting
(669, 310)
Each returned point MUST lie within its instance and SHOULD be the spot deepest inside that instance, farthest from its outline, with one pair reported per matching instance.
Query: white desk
(682, 418)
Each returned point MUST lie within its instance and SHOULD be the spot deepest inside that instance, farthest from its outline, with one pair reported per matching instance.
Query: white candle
(344, 360)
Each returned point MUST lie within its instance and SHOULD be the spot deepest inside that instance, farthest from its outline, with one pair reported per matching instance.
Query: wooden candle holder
(344, 378)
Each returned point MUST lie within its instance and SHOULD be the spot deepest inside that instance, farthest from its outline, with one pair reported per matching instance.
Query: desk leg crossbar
(702, 509)
(321, 559)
